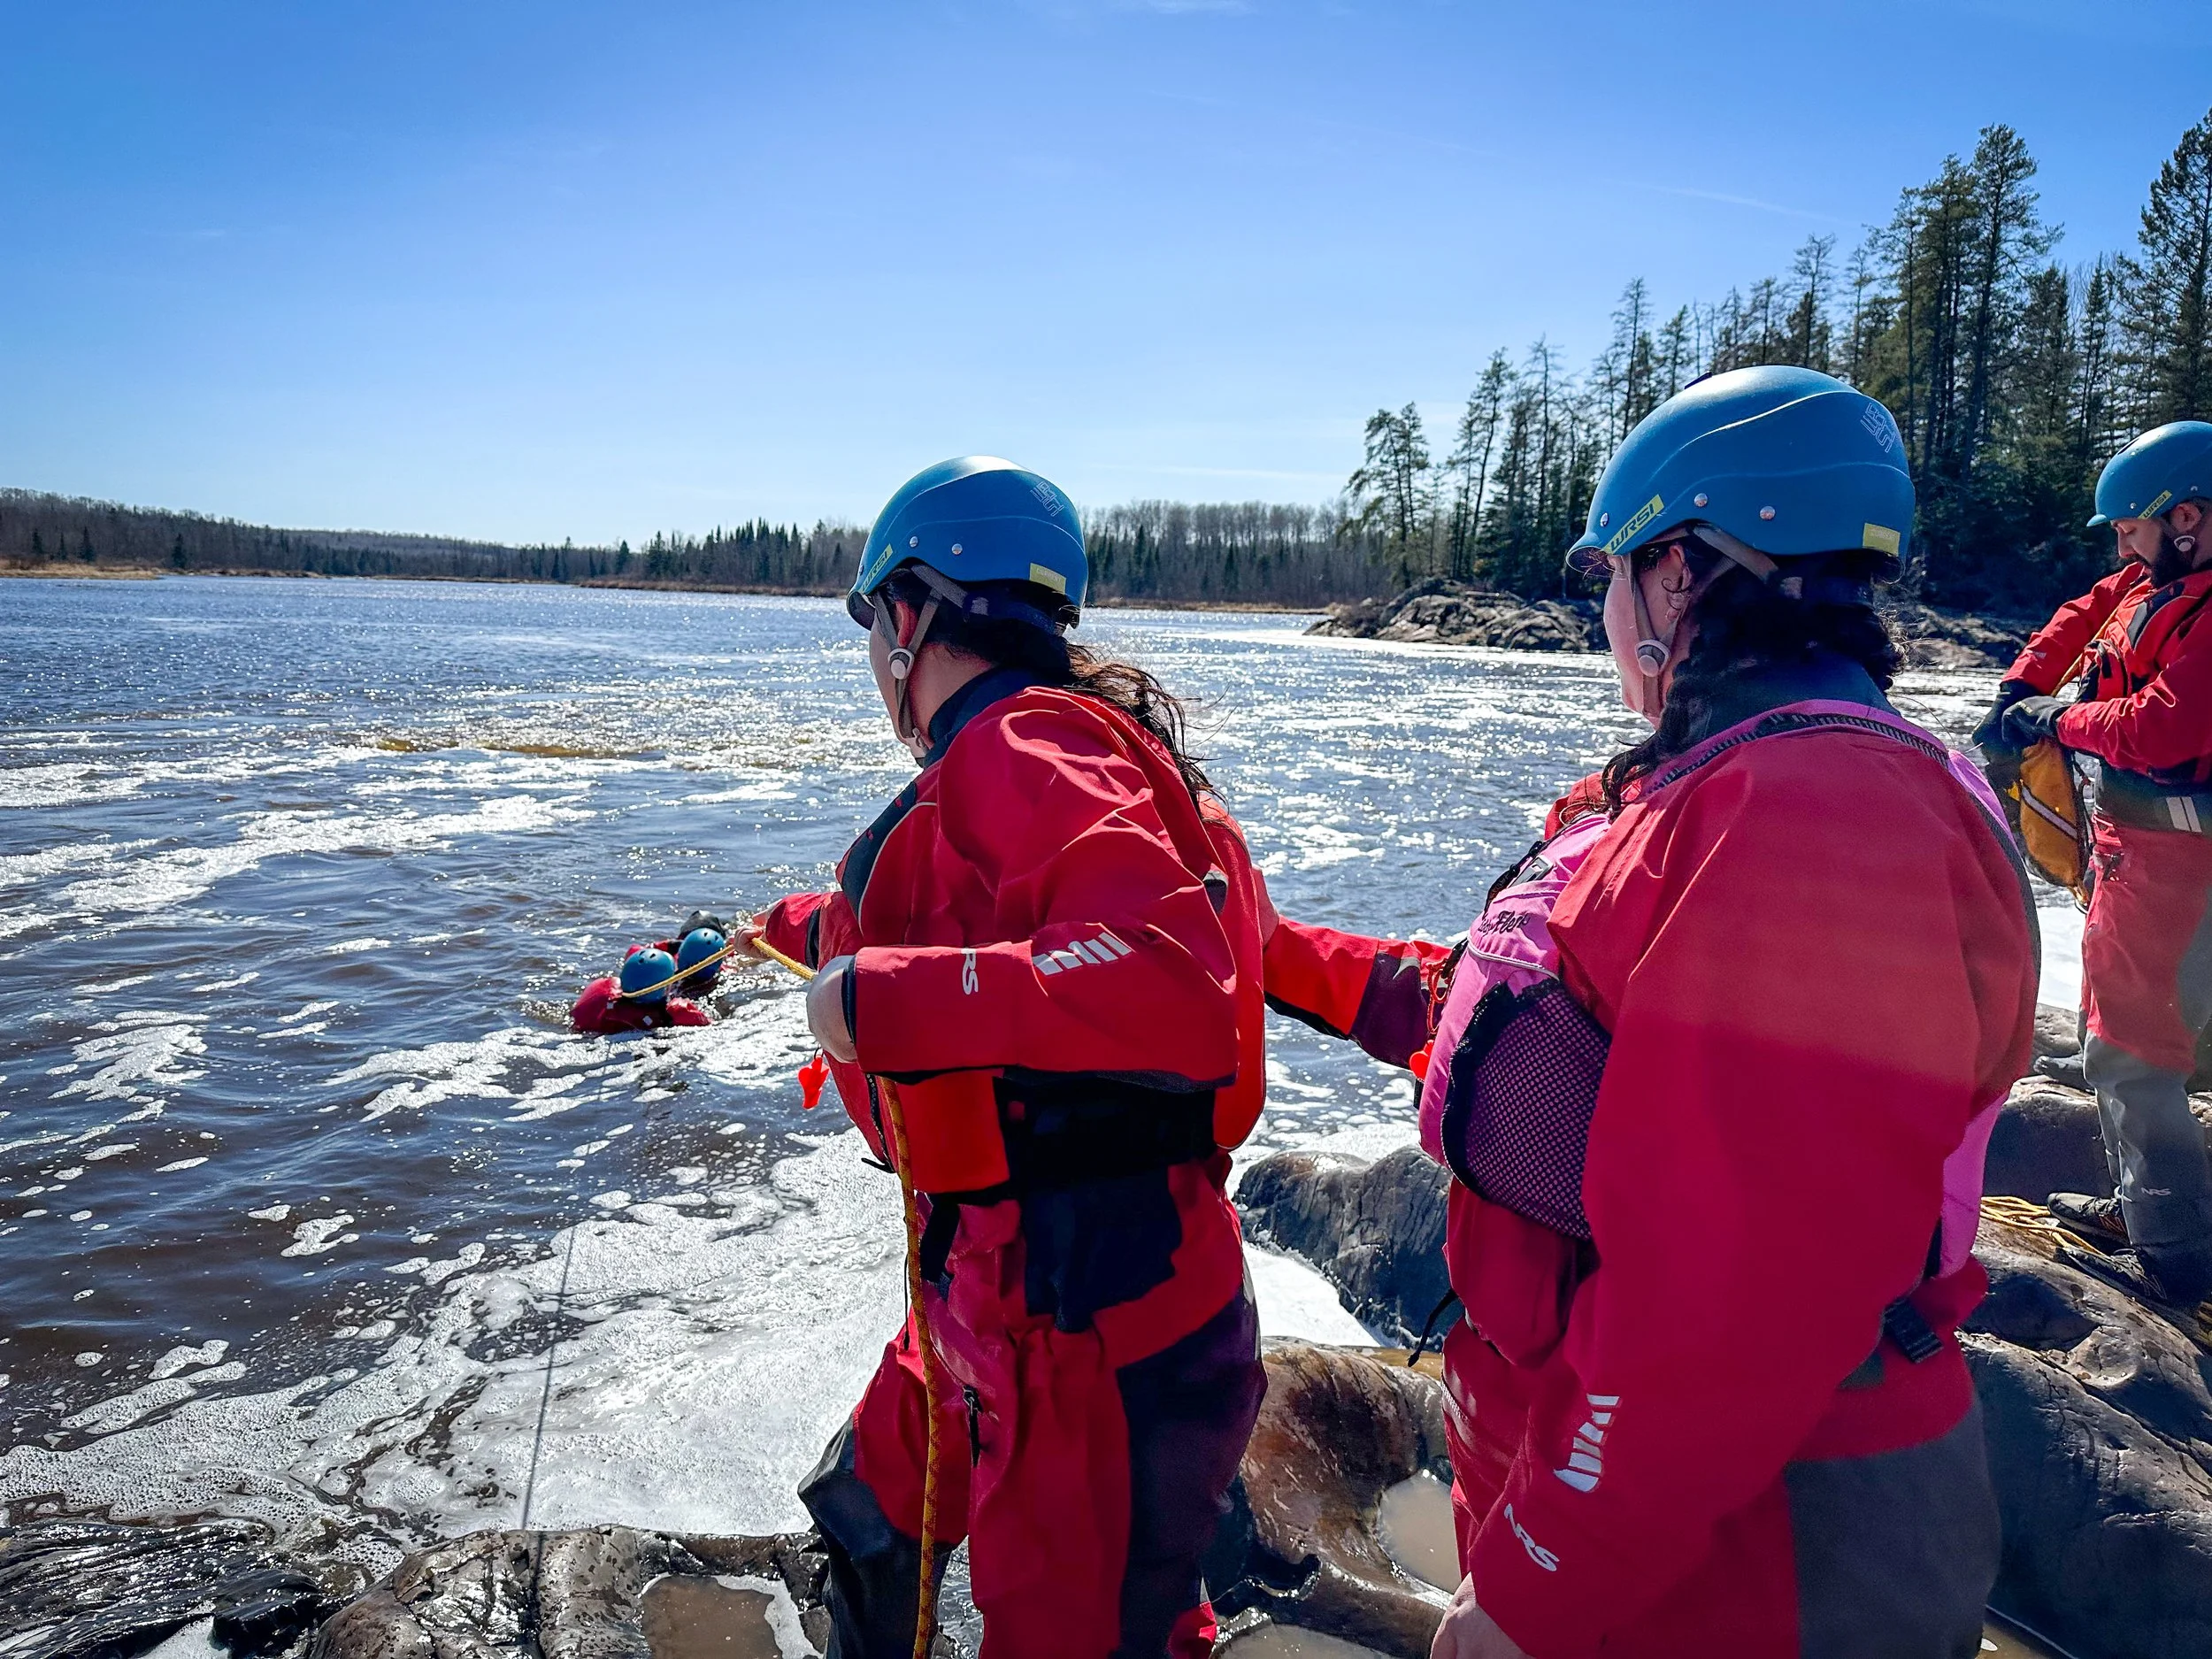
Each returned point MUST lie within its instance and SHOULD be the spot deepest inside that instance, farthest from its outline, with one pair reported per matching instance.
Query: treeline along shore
(1252, 553)
(2013, 374)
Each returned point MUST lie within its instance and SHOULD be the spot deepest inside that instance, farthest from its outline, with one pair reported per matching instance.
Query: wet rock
(595, 1592)
(2057, 1029)
(1303, 1545)
(94, 1590)
(2100, 1431)
(1375, 1231)
(2045, 1141)
(1931, 638)
(1442, 612)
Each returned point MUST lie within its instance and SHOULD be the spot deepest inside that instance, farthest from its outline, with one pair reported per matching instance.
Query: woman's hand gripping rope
(827, 985)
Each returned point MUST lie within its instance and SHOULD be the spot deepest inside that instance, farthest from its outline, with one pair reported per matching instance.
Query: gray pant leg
(2153, 1145)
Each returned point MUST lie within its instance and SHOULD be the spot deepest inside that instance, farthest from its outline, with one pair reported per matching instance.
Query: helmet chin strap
(1652, 654)
(901, 663)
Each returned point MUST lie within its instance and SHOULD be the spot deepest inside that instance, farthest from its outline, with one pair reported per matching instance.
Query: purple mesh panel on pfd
(1524, 1085)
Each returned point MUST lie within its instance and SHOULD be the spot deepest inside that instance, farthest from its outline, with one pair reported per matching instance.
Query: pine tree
(2168, 289)
(1391, 485)
(1469, 462)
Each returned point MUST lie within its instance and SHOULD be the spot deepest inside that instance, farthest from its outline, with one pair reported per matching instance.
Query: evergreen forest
(2014, 376)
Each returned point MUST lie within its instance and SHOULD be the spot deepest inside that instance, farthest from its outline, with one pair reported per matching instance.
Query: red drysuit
(599, 1012)
(1814, 962)
(2146, 715)
(1057, 957)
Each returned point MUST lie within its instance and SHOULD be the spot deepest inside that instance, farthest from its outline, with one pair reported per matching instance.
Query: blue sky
(565, 269)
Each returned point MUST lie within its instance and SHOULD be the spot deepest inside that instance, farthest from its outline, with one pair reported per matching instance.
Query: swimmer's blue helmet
(644, 969)
(698, 945)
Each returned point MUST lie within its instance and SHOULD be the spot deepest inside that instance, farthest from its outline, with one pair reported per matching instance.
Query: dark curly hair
(1053, 659)
(1744, 624)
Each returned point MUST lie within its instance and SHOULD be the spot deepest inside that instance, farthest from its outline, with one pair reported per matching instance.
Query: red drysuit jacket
(1045, 895)
(1814, 964)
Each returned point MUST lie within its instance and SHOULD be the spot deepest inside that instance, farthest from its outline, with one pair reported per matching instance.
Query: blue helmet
(699, 944)
(1788, 461)
(644, 970)
(973, 520)
(2166, 465)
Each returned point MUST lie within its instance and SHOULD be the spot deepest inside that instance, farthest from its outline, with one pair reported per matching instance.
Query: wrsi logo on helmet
(1586, 1456)
(2166, 465)
(1784, 461)
(1082, 953)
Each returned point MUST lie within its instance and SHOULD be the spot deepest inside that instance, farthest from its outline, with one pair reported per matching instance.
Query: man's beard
(2172, 563)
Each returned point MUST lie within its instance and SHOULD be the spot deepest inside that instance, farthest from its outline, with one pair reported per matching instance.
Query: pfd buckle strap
(1907, 1326)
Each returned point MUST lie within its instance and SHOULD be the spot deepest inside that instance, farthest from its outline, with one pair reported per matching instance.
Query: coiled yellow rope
(2021, 1213)
(895, 1122)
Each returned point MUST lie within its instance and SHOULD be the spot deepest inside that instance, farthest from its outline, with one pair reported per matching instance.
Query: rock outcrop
(598, 1592)
(1931, 638)
(2100, 1430)
(1302, 1546)
(1442, 612)
(1375, 1230)
(92, 1590)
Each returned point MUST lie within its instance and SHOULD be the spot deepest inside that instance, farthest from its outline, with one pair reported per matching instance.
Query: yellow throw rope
(2021, 1213)
(895, 1121)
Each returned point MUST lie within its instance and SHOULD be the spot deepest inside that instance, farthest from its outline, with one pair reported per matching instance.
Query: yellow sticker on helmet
(1881, 538)
(2157, 505)
(1643, 516)
(1051, 579)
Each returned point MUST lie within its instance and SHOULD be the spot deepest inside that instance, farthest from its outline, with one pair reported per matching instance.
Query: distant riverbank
(57, 570)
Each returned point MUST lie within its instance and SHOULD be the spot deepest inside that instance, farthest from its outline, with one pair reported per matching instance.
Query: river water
(310, 1208)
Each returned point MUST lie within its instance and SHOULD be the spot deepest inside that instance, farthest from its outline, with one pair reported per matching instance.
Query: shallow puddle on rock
(1280, 1642)
(1415, 1524)
(699, 1618)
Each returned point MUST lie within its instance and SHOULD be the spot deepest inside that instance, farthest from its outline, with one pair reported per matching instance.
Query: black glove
(1989, 736)
(2031, 720)
(702, 919)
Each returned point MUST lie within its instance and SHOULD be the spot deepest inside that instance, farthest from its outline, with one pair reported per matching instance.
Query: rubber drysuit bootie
(2069, 1068)
(2128, 1271)
(2096, 1219)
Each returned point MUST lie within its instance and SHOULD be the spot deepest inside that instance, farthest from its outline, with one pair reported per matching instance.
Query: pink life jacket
(1517, 1062)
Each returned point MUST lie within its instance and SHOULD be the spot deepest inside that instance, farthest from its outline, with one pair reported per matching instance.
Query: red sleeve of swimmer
(1125, 966)
(790, 924)
(1378, 992)
(2050, 654)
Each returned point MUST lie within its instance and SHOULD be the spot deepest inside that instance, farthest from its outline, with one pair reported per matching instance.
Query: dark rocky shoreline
(1439, 611)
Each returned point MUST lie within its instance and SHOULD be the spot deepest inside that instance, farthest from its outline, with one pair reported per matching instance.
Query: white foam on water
(185, 1356)
(139, 1058)
(716, 1355)
(64, 783)
(1297, 1302)
(195, 1640)
(162, 880)
(23, 870)
(2061, 925)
